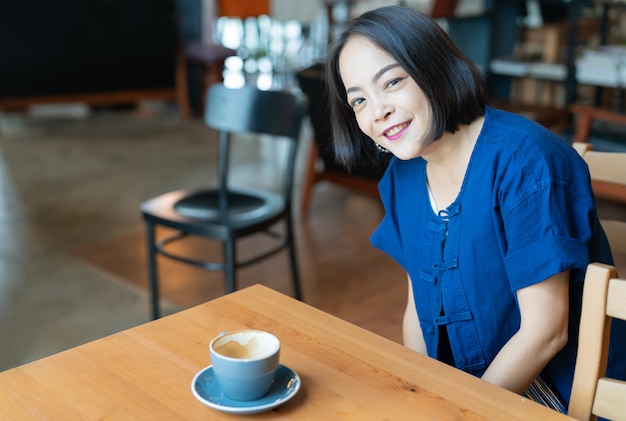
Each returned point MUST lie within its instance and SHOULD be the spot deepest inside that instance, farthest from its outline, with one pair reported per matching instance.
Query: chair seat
(198, 211)
(266, 211)
(205, 205)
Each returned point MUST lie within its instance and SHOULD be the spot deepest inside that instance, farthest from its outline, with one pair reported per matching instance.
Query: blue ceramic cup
(245, 363)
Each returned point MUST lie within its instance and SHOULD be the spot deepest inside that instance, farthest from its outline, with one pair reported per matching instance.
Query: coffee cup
(245, 362)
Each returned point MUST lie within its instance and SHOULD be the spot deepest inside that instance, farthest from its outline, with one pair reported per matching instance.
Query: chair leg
(293, 259)
(152, 269)
(309, 179)
(230, 265)
(182, 93)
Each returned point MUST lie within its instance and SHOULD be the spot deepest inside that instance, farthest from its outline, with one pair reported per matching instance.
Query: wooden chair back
(582, 147)
(608, 178)
(586, 115)
(608, 174)
(593, 395)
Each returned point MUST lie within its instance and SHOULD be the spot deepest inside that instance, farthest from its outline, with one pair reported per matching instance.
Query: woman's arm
(544, 311)
(411, 329)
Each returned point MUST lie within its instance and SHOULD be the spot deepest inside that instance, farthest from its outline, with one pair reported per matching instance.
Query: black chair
(226, 214)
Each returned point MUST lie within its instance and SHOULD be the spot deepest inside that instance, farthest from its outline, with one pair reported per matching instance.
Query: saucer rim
(251, 409)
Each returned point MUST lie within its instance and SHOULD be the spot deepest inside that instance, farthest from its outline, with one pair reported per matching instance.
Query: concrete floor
(73, 265)
(67, 183)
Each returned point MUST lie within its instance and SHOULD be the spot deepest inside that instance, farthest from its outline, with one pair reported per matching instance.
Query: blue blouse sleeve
(549, 216)
(400, 183)
(546, 233)
(386, 237)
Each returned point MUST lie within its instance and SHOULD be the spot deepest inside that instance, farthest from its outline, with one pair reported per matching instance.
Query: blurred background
(101, 108)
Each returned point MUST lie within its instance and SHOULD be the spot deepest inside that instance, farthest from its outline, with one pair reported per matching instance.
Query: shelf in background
(510, 66)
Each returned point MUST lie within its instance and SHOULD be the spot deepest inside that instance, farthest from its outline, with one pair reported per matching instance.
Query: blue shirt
(525, 212)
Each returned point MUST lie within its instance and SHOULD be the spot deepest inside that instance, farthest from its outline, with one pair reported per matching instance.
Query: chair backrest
(608, 178)
(593, 395)
(582, 147)
(608, 174)
(586, 116)
(250, 110)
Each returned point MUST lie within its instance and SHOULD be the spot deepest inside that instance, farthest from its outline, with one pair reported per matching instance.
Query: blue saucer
(206, 389)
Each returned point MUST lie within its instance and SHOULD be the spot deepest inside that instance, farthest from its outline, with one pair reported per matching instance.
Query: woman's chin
(404, 155)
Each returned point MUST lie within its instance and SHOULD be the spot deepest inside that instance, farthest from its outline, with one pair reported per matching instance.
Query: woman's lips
(396, 132)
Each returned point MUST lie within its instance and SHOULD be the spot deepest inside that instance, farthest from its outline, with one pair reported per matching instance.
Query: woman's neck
(454, 147)
(448, 159)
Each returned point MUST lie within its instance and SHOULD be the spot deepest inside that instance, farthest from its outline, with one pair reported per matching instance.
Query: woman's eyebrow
(383, 70)
(376, 76)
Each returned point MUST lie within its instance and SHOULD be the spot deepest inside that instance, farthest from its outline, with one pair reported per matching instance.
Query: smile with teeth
(395, 130)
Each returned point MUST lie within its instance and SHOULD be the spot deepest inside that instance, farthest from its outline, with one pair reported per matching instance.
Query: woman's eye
(393, 82)
(356, 102)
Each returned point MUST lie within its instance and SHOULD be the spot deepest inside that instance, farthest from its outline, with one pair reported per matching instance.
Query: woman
(491, 215)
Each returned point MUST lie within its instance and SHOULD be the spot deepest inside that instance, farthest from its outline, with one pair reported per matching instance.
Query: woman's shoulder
(526, 154)
(524, 138)
(508, 126)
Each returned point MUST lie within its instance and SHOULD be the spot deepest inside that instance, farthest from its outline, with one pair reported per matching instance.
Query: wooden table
(145, 373)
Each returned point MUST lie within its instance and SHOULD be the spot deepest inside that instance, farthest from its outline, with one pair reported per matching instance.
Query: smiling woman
(452, 86)
(470, 196)
(373, 91)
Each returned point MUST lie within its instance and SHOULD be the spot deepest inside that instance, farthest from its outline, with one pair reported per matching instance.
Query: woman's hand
(544, 309)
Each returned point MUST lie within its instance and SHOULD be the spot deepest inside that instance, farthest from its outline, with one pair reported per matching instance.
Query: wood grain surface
(347, 372)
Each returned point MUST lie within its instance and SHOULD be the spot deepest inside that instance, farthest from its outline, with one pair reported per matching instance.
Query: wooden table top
(145, 373)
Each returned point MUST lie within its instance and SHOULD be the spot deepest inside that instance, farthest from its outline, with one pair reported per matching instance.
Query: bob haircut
(453, 85)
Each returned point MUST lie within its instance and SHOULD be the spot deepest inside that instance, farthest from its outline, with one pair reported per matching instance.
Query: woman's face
(388, 104)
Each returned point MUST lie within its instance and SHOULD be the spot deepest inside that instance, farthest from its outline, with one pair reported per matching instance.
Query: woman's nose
(382, 110)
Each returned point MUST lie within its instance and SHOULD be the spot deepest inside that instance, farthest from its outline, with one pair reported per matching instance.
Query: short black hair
(453, 85)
